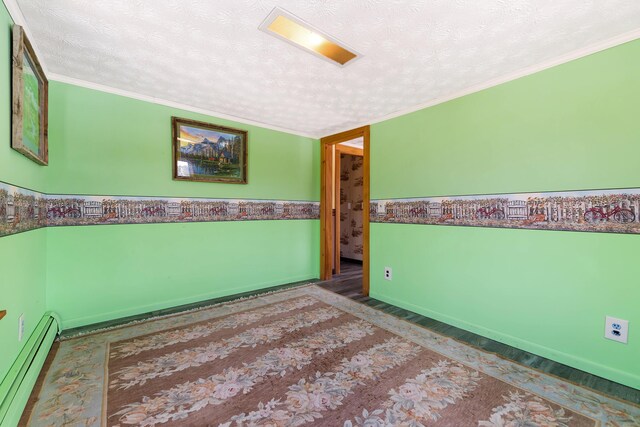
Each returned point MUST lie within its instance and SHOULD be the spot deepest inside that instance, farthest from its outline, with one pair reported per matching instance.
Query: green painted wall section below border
(24, 373)
(22, 289)
(571, 127)
(99, 273)
(546, 292)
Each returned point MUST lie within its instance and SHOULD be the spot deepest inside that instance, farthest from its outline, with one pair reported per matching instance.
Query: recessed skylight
(295, 31)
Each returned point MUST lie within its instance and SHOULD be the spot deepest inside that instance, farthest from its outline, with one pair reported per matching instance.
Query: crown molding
(568, 57)
(146, 98)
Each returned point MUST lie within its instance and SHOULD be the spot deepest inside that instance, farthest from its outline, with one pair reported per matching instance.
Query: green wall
(107, 272)
(106, 144)
(571, 127)
(101, 143)
(22, 256)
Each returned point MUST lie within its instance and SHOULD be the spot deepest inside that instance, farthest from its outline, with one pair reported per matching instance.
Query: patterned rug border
(80, 361)
(506, 359)
(178, 313)
(443, 339)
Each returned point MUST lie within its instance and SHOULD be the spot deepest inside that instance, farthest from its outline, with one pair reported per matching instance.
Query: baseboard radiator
(23, 374)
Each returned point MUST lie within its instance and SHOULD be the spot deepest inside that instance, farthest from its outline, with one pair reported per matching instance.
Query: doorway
(345, 148)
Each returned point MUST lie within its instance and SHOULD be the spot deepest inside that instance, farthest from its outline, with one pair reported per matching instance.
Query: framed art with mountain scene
(206, 152)
(29, 102)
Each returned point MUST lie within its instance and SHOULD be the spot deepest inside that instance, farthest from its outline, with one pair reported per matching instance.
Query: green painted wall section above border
(102, 143)
(22, 257)
(571, 127)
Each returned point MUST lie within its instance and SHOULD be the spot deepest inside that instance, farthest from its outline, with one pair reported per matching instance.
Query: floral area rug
(303, 356)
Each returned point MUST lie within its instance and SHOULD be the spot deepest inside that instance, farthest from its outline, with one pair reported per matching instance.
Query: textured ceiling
(210, 54)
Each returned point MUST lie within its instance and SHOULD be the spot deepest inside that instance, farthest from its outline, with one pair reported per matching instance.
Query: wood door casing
(327, 253)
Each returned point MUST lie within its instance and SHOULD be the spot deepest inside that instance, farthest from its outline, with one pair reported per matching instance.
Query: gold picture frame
(207, 152)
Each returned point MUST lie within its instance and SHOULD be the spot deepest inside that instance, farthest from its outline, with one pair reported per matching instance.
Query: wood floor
(349, 284)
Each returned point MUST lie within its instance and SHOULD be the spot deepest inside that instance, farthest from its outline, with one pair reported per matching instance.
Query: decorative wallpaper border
(605, 211)
(23, 210)
(20, 210)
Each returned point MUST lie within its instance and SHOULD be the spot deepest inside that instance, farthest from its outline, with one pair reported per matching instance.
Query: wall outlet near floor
(387, 273)
(616, 329)
(21, 327)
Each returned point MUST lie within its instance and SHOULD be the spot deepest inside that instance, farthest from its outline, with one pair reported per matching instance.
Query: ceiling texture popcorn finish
(211, 56)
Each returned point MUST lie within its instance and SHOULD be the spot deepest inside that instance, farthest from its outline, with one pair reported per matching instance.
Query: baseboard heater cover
(17, 385)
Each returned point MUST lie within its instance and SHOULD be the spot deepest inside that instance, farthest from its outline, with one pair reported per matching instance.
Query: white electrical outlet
(387, 273)
(616, 329)
(20, 327)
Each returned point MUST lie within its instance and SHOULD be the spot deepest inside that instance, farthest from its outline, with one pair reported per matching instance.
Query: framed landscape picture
(206, 152)
(29, 101)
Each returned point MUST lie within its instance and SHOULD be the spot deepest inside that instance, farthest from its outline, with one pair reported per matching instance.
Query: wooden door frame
(326, 196)
(339, 150)
(336, 197)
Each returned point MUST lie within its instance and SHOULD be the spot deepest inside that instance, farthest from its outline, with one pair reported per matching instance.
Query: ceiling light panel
(299, 33)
